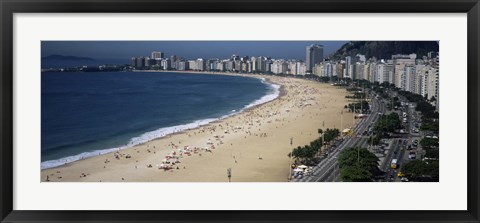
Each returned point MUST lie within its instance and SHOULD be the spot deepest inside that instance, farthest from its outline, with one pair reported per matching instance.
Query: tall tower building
(314, 56)
(173, 61)
(157, 55)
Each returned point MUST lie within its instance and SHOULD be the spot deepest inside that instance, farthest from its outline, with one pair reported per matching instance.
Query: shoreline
(49, 164)
(254, 142)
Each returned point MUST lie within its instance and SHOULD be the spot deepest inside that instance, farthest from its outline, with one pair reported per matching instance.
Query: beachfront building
(140, 62)
(432, 55)
(259, 64)
(237, 65)
(192, 64)
(157, 55)
(318, 70)
(405, 71)
(359, 68)
(404, 58)
(200, 62)
(165, 64)
(372, 77)
(351, 64)
(301, 68)
(382, 73)
(279, 67)
(244, 68)
(348, 67)
(314, 55)
(133, 62)
(222, 65)
(325, 69)
(296, 67)
(366, 71)
(339, 70)
(182, 65)
(229, 65)
(432, 83)
(173, 61)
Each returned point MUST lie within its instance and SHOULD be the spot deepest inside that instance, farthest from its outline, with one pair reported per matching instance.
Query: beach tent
(297, 170)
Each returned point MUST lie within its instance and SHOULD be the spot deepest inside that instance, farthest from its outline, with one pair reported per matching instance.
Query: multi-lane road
(327, 170)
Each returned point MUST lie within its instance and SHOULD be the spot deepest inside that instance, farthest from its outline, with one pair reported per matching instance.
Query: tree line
(358, 165)
(305, 154)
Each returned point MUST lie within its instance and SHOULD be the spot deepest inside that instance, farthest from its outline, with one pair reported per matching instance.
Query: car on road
(404, 179)
(412, 155)
(391, 177)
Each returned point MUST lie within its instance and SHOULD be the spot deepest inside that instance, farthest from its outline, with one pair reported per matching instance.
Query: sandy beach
(254, 143)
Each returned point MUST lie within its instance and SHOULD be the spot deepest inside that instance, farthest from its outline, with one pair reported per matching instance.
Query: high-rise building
(237, 65)
(200, 64)
(221, 66)
(173, 61)
(230, 65)
(339, 70)
(314, 56)
(350, 66)
(182, 65)
(366, 71)
(279, 67)
(157, 55)
(166, 64)
(359, 69)
(260, 64)
(133, 62)
(432, 54)
(318, 70)
(147, 61)
(235, 57)
(140, 62)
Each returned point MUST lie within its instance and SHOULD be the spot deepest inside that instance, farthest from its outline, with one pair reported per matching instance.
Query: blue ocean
(87, 114)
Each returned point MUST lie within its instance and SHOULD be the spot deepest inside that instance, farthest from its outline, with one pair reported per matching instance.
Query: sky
(187, 49)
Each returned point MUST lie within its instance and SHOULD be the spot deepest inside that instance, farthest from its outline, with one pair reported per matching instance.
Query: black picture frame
(9, 7)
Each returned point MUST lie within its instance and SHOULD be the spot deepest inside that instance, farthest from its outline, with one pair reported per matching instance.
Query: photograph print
(240, 111)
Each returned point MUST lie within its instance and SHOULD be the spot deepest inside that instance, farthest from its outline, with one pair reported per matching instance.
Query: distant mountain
(67, 58)
(384, 49)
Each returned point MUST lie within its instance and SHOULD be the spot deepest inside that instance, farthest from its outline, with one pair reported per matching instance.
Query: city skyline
(186, 49)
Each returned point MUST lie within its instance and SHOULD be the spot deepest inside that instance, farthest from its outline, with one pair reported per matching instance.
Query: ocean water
(87, 114)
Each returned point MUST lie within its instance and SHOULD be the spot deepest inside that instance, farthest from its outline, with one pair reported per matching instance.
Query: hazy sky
(186, 49)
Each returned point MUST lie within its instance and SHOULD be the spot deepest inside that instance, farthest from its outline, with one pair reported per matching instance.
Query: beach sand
(254, 143)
